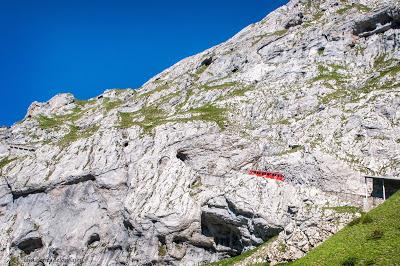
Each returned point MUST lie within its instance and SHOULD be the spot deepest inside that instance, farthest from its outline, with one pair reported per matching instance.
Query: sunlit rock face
(158, 175)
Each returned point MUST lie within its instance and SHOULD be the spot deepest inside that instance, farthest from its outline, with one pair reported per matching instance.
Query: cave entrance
(377, 24)
(224, 234)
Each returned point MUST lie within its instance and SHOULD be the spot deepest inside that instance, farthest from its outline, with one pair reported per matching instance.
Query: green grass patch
(201, 70)
(48, 122)
(75, 134)
(329, 72)
(210, 113)
(162, 251)
(14, 261)
(83, 103)
(344, 209)
(153, 117)
(335, 95)
(218, 87)
(158, 89)
(6, 161)
(126, 120)
(55, 122)
(239, 92)
(111, 104)
(376, 241)
(150, 117)
(359, 7)
(168, 97)
(147, 118)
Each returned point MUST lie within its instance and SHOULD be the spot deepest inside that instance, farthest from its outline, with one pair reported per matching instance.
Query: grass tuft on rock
(75, 133)
(210, 113)
(6, 161)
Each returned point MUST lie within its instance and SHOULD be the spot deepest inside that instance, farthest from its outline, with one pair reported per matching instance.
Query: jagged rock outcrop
(157, 176)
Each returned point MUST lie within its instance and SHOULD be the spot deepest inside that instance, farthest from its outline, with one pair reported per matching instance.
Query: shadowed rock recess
(157, 176)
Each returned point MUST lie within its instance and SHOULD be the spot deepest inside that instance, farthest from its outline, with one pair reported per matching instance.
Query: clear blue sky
(86, 47)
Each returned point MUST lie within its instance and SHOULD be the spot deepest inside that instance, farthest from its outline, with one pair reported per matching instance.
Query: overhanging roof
(383, 177)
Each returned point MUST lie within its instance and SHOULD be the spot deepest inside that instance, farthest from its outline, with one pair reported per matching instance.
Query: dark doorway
(391, 187)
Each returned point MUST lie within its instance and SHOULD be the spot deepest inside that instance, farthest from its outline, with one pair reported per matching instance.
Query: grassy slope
(371, 241)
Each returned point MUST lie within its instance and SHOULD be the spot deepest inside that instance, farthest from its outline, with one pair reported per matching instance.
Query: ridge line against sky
(85, 47)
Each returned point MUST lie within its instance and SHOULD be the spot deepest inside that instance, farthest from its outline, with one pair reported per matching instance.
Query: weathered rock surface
(157, 176)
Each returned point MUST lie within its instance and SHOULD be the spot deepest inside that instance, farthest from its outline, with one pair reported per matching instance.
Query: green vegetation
(162, 251)
(150, 117)
(111, 104)
(359, 7)
(238, 92)
(75, 133)
(48, 122)
(201, 70)
(292, 150)
(156, 90)
(14, 261)
(277, 33)
(373, 240)
(344, 209)
(210, 113)
(284, 121)
(388, 68)
(83, 103)
(153, 117)
(55, 122)
(125, 120)
(365, 218)
(282, 247)
(218, 87)
(196, 184)
(329, 72)
(359, 49)
(6, 161)
(337, 94)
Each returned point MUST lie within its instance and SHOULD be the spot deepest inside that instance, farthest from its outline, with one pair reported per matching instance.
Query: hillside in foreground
(373, 239)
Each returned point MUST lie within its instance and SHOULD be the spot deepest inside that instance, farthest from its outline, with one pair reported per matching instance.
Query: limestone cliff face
(157, 176)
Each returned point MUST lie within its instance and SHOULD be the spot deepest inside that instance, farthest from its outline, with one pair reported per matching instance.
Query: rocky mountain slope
(158, 175)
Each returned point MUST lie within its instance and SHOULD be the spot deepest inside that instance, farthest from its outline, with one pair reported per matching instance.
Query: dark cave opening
(93, 238)
(377, 24)
(31, 244)
(223, 234)
(206, 62)
(182, 156)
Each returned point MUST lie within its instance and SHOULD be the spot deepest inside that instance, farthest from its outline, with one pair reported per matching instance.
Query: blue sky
(85, 47)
